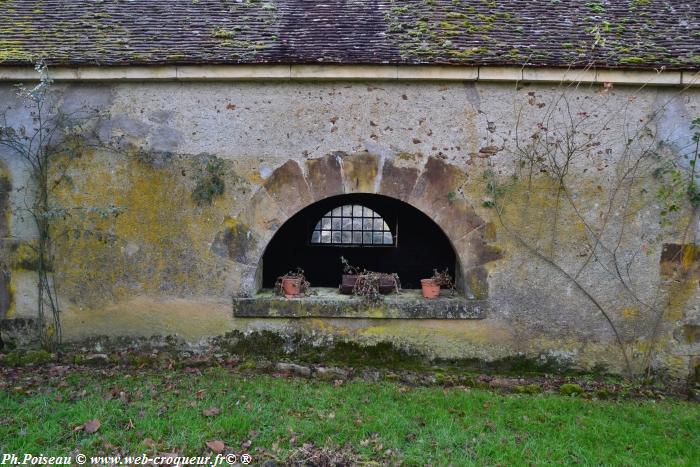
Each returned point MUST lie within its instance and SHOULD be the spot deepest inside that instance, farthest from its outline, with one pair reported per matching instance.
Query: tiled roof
(612, 33)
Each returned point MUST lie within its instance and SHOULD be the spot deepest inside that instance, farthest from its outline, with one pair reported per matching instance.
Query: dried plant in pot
(292, 285)
(369, 285)
(440, 280)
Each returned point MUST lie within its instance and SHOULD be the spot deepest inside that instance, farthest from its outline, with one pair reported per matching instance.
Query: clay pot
(431, 289)
(291, 286)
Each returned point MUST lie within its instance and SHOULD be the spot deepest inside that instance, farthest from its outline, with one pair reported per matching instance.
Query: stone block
(288, 187)
(324, 176)
(397, 182)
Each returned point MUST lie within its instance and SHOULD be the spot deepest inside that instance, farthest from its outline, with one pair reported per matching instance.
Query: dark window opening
(421, 247)
(352, 224)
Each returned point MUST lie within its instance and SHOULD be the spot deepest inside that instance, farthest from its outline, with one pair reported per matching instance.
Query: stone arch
(431, 188)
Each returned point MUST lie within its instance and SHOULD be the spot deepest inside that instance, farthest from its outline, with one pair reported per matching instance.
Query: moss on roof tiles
(603, 33)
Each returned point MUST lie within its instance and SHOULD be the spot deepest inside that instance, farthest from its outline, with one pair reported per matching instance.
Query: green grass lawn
(273, 418)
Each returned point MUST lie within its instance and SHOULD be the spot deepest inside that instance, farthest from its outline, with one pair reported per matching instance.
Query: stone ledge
(357, 72)
(233, 72)
(335, 72)
(690, 78)
(328, 303)
(500, 73)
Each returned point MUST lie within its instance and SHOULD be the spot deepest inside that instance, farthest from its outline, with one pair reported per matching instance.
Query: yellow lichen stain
(477, 286)
(250, 172)
(490, 232)
(144, 316)
(680, 294)
(230, 223)
(13, 50)
(641, 346)
(439, 338)
(379, 311)
(12, 306)
(689, 256)
(327, 326)
(683, 286)
(629, 313)
(360, 172)
(683, 265)
(158, 242)
(529, 209)
(469, 331)
(676, 365)
(25, 256)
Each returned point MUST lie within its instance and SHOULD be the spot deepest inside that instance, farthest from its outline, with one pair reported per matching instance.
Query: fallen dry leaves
(211, 412)
(217, 446)
(91, 426)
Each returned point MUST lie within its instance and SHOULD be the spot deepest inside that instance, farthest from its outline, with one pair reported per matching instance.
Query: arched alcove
(411, 245)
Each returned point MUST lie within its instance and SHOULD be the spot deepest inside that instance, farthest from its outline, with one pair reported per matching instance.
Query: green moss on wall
(210, 183)
(276, 346)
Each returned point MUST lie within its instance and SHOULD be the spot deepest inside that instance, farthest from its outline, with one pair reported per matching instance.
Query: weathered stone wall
(168, 262)
(5, 290)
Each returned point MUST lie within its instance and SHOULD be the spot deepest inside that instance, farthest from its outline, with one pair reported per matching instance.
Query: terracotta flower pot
(291, 286)
(430, 288)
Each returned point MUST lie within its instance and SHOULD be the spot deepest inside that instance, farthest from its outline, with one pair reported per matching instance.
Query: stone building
(542, 152)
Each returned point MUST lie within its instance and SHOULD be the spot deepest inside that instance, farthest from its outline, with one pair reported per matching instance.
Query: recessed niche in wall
(371, 231)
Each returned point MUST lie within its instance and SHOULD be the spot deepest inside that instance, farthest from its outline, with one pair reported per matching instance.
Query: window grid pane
(352, 225)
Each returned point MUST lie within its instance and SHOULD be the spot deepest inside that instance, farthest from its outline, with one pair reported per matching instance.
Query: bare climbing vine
(552, 157)
(47, 144)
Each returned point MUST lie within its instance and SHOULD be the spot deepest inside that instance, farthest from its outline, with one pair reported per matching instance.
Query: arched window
(352, 224)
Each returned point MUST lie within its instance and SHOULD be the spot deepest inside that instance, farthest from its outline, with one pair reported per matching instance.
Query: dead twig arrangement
(444, 280)
(297, 275)
(369, 284)
(349, 268)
